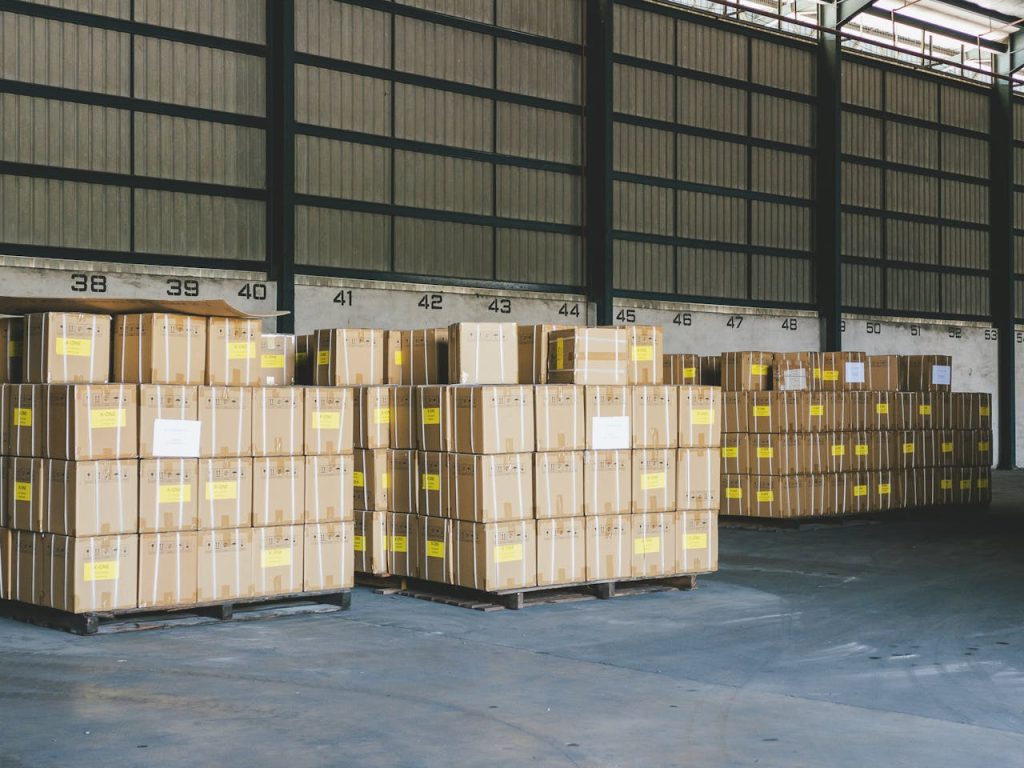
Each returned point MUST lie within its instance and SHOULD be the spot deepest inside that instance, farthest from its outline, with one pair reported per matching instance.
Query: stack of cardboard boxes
(201, 475)
(817, 434)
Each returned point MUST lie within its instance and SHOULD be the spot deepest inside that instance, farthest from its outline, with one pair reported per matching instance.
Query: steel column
(597, 173)
(828, 266)
(281, 156)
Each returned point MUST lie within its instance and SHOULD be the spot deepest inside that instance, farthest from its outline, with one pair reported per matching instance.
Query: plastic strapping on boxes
(241, 412)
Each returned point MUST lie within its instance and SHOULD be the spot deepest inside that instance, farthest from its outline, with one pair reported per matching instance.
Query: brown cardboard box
(403, 493)
(790, 453)
(654, 545)
(645, 352)
(483, 353)
(403, 418)
(908, 449)
(774, 411)
(983, 484)
(607, 482)
(26, 553)
(328, 563)
(92, 421)
(277, 360)
(710, 371)
(794, 371)
(25, 492)
(434, 418)
(348, 357)
(609, 547)
(225, 565)
(6, 391)
(942, 488)
(372, 428)
(558, 482)
(698, 479)
(305, 358)
(12, 349)
(491, 489)
(654, 480)
(231, 352)
(734, 453)
(495, 556)
(608, 412)
(842, 371)
(434, 484)
(371, 483)
(858, 406)
(561, 551)
(328, 421)
(925, 410)
(945, 443)
(428, 357)
(66, 348)
(6, 558)
(226, 488)
(169, 425)
(328, 492)
(837, 452)
(982, 447)
(592, 356)
(700, 417)
(859, 453)
(696, 542)
(926, 373)
(532, 341)
(277, 421)
(159, 348)
(370, 542)
(436, 549)
(963, 485)
(225, 418)
(883, 410)
(971, 410)
(168, 569)
(402, 545)
(683, 370)
(99, 573)
(278, 490)
(816, 411)
(883, 373)
(735, 412)
(489, 419)
(884, 452)
(791, 496)
(746, 370)
(397, 364)
(168, 495)
(91, 498)
(884, 491)
(655, 416)
(560, 417)
(848, 492)
(277, 560)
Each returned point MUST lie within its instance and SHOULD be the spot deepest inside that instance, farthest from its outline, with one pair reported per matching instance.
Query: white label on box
(174, 438)
(942, 374)
(794, 380)
(611, 433)
(855, 373)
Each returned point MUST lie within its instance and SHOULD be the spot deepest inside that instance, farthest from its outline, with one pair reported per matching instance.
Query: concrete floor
(898, 644)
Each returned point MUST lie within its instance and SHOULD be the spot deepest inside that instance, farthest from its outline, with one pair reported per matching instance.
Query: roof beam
(1015, 44)
(847, 9)
(937, 29)
(985, 13)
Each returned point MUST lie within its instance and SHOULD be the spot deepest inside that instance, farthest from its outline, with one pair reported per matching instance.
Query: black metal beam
(985, 13)
(936, 29)
(281, 156)
(828, 265)
(1016, 52)
(845, 10)
(598, 170)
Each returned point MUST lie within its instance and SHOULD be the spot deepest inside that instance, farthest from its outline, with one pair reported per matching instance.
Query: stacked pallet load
(161, 461)
(811, 434)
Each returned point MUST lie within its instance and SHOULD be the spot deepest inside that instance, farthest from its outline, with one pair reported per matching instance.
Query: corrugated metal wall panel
(1018, 256)
(528, 193)
(443, 248)
(559, 19)
(965, 248)
(965, 295)
(913, 241)
(327, 238)
(774, 119)
(862, 236)
(911, 145)
(180, 224)
(545, 257)
(443, 117)
(642, 208)
(965, 107)
(1018, 210)
(909, 290)
(121, 9)
(862, 135)
(862, 286)
(440, 51)
(443, 183)
(704, 216)
(342, 100)
(708, 49)
(782, 66)
(911, 96)
(862, 85)
(478, 10)
(964, 155)
(643, 266)
(911, 193)
(644, 151)
(711, 273)
(777, 278)
(644, 35)
(342, 169)
(774, 225)
(964, 202)
(710, 161)
(642, 92)
(780, 173)
(541, 72)
(343, 31)
(232, 19)
(712, 106)
(1018, 122)
(1019, 303)
(1018, 165)
(541, 134)
(861, 185)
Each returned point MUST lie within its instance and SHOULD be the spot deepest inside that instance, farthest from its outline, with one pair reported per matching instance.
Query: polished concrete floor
(896, 644)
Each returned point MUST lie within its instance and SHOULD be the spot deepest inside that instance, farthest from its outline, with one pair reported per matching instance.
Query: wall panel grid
(914, 191)
(440, 138)
(713, 160)
(134, 128)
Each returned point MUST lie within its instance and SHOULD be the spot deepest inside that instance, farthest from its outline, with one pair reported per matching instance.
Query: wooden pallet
(381, 585)
(831, 521)
(138, 619)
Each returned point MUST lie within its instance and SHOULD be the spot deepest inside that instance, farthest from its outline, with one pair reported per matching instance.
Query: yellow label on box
(359, 543)
(838, 450)
(398, 357)
(381, 415)
(946, 485)
(357, 480)
(241, 350)
(984, 410)
(385, 480)
(765, 496)
(643, 353)
(14, 348)
(652, 481)
(301, 357)
(965, 485)
(398, 543)
(696, 541)
(689, 373)
(326, 419)
(323, 357)
(860, 449)
(816, 373)
(431, 482)
(175, 494)
(756, 369)
(702, 416)
(431, 415)
(884, 489)
(983, 446)
(882, 409)
(860, 490)
(829, 375)
(435, 548)
(560, 354)
(766, 453)
(276, 558)
(730, 452)
(734, 493)
(23, 417)
(647, 545)
(908, 447)
(272, 361)
(817, 410)
(108, 418)
(762, 410)
(924, 410)
(102, 570)
(22, 491)
(947, 447)
(982, 483)
(224, 490)
(74, 347)
(508, 553)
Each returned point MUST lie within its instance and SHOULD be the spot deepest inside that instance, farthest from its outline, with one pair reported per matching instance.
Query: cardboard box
(26, 553)
(608, 412)
(734, 453)
(12, 349)
(884, 451)
(654, 480)
(746, 370)
(971, 410)
(403, 418)
(483, 353)
(328, 421)
(372, 417)
(696, 542)
(592, 356)
(225, 565)
(403, 493)
(791, 496)
(561, 551)
(655, 416)
(395, 358)
(817, 411)
(66, 348)
(225, 419)
(963, 485)
(735, 412)
(370, 542)
(488, 419)
(848, 492)
(698, 479)
(940, 480)
(983, 484)
(434, 484)
(91, 498)
(925, 410)
(558, 481)
(426, 361)
(883, 373)
(402, 545)
(983, 442)
(436, 550)
(926, 373)
(859, 449)
(842, 371)
(231, 352)
(99, 573)
(774, 411)
(328, 563)
(25, 492)
(277, 360)
(700, 417)
(682, 370)
(92, 421)
(168, 569)
(654, 545)
(532, 341)
(560, 417)
(645, 353)
(609, 547)
(6, 391)
(434, 418)
(710, 371)
(837, 452)
(169, 425)
(945, 443)
(493, 488)
(794, 371)
(305, 358)
(159, 348)
(882, 410)
(607, 482)
(168, 495)
(884, 491)
(790, 453)
(370, 480)
(226, 488)
(348, 357)
(6, 559)
(277, 560)
(277, 414)
(495, 556)
(908, 449)
(278, 490)
(329, 492)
